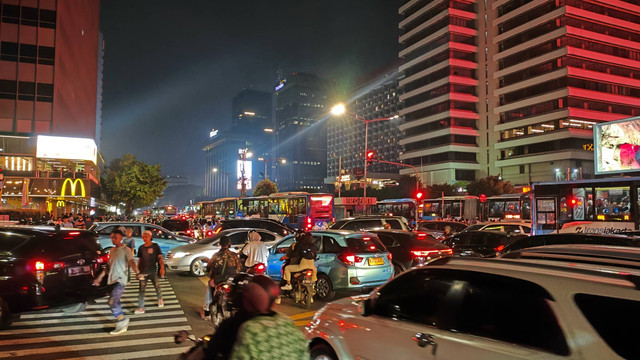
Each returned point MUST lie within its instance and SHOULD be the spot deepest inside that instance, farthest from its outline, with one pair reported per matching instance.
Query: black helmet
(299, 234)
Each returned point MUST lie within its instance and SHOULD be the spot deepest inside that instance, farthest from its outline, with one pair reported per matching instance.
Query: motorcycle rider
(255, 331)
(222, 265)
(255, 250)
(306, 251)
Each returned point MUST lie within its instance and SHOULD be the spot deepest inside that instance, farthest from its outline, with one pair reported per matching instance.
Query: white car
(513, 227)
(193, 258)
(467, 308)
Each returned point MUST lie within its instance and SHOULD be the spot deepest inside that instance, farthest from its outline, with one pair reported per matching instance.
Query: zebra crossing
(85, 335)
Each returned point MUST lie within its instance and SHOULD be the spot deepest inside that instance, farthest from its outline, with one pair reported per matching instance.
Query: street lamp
(215, 170)
(340, 109)
(266, 161)
(283, 161)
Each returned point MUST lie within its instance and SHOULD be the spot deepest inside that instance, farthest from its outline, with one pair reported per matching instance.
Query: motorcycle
(303, 288)
(222, 306)
(196, 352)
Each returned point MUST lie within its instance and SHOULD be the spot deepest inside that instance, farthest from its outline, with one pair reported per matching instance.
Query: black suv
(367, 223)
(178, 226)
(267, 224)
(411, 249)
(480, 243)
(42, 268)
(571, 238)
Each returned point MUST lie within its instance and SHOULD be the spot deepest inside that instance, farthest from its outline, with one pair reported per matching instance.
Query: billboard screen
(617, 146)
(69, 148)
(246, 165)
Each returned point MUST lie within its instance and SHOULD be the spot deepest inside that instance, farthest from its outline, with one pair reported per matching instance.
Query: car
(411, 249)
(571, 238)
(166, 239)
(439, 225)
(513, 227)
(178, 226)
(365, 223)
(255, 223)
(193, 258)
(471, 308)
(346, 261)
(44, 268)
(605, 255)
(480, 243)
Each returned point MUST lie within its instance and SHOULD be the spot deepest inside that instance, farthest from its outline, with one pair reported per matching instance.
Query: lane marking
(93, 318)
(90, 326)
(88, 312)
(304, 315)
(135, 354)
(93, 346)
(301, 323)
(90, 336)
(204, 280)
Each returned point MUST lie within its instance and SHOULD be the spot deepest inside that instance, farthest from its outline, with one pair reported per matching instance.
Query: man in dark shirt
(222, 265)
(150, 257)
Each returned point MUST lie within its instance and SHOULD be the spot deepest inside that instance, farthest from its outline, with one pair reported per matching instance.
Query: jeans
(114, 300)
(208, 297)
(143, 287)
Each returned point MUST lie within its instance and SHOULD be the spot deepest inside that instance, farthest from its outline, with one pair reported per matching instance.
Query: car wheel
(74, 308)
(397, 269)
(323, 352)
(198, 267)
(6, 318)
(324, 288)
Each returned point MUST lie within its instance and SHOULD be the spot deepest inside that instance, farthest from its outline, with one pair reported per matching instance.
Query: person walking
(120, 257)
(150, 263)
(255, 250)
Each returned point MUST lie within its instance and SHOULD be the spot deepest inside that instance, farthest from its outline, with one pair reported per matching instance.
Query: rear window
(357, 225)
(11, 242)
(613, 320)
(175, 225)
(365, 244)
(395, 224)
(428, 226)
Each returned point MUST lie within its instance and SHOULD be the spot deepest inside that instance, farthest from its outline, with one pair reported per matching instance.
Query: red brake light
(422, 236)
(74, 233)
(103, 259)
(372, 247)
(423, 253)
(366, 238)
(309, 273)
(349, 259)
(39, 265)
(390, 256)
(260, 267)
(499, 248)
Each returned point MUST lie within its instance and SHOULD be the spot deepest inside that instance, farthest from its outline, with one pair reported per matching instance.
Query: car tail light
(39, 265)
(499, 248)
(260, 269)
(366, 238)
(447, 251)
(349, 259)
(210, 233)
(421, 236)
(103, 259)
(423, 253)
(309, 273)
(390, 256)
(372, 248)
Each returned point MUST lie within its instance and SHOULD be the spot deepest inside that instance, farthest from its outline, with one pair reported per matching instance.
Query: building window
(521, 169)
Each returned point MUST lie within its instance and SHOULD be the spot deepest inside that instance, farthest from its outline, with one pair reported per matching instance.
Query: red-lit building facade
(519, 84)
(50, 84)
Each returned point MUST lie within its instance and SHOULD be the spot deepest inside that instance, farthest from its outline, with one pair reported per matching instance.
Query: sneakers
(278, 300)
(287, 287)
(121, 326)
(139, 311)
(204, 314)
(161, 303)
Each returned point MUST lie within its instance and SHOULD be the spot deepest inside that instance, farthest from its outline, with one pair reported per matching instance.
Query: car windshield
(175, 225)
(339, 224)
(365, 244)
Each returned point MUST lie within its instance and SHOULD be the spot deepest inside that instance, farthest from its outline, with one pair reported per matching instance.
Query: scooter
(303, 287)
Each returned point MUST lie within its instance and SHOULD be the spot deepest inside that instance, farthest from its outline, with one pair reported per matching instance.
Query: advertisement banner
(69, 148)
(617, 146)
(597, 227)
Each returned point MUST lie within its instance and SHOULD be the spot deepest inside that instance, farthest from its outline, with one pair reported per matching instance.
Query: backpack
(309, 252)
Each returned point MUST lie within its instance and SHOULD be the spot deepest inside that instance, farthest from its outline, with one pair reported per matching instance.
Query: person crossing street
(150, 264)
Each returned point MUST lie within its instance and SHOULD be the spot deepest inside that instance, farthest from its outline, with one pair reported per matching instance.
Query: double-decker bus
(598, 206)
(397, 207)
(454, 207)
(507, 207)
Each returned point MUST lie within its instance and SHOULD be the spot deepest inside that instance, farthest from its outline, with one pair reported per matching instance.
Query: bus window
(546, 211)
(612, 204)
(582, 202)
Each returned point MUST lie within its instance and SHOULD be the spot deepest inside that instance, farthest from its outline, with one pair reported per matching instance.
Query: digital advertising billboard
(617, 146)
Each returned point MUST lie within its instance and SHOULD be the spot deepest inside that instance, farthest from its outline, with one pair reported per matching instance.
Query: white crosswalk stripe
(85, 334)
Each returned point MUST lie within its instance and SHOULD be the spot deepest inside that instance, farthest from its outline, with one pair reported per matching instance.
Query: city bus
(598, 206)
(507, 207)
(397, 207)
(226, 208)
(452, 207)
(170, 210)
(301, 210)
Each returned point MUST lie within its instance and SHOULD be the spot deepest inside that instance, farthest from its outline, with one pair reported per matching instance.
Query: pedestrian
(67, 223)
(88, 223)
(129, 241)
(150, 263)
(120, 257)
(255, 250)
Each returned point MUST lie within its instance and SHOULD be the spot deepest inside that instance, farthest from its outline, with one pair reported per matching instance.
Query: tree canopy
(490, 186)
(132, 182)
(265, 187)
(406, 188)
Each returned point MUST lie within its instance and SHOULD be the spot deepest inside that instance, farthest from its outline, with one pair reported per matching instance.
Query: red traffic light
(419, 195)
(370, 154)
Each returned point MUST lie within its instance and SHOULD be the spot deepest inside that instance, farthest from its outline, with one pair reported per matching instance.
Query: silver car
(193, 258)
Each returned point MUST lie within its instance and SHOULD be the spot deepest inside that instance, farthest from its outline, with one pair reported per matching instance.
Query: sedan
(411, 249)
(161, 236)
(345, 261)
(480, 243)
(193, 258)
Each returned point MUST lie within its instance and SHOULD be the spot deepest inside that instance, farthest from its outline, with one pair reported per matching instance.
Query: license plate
(376, 261)
(78, 270)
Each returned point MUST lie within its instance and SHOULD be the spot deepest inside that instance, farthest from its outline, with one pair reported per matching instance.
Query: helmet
(299, 234)
(257, 294)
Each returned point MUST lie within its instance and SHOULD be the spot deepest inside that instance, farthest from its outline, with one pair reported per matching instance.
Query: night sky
(171, 68)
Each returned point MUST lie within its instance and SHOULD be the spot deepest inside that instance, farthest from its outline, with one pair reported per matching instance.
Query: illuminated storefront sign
(58, 147)
(73, 187)
(281, 84)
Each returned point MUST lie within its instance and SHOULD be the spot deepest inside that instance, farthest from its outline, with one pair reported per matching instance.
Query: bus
(226, 208)
(398, 207)
(597, 206)
(454, 207)
(507, 207)
(300, 210)
(170, 210)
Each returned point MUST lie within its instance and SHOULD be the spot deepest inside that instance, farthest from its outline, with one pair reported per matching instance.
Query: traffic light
(419, 195)
(370, 154)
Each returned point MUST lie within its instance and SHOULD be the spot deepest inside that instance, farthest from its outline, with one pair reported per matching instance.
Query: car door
(274, 266)
(407, 308)
(327, 252)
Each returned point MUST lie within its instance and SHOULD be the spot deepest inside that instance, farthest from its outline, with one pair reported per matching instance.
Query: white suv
(456, 308)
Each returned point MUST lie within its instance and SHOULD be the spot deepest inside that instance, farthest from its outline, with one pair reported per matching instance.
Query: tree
(490, 186)
(265, 187)
(435, 191)
(132, 182)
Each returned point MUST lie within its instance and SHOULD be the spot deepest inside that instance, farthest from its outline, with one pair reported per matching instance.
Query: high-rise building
(440, 102)
(375, 98)
(514, 87)
(301, 109)
(50, 84)
(251, 111)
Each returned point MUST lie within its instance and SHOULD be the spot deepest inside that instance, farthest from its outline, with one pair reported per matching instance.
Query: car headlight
(180, 254)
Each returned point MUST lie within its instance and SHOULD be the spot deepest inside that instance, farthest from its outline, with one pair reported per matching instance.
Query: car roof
(245, 229)
(393, 231)
(483, 232)
(38, 229)
(587, 250)
(522, 222)
(371, 217)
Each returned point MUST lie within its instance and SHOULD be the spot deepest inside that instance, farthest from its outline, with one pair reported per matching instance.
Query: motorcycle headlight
(180, 254)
